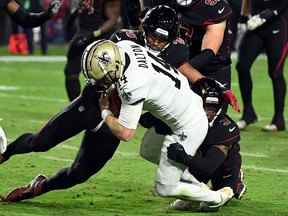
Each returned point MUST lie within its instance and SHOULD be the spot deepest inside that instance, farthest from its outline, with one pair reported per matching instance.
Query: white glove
(54, 6)
(255, 21)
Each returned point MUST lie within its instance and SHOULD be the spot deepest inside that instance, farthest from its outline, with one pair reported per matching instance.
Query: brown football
(114, 102)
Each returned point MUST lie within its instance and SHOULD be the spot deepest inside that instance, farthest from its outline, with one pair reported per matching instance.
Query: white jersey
(151, 84)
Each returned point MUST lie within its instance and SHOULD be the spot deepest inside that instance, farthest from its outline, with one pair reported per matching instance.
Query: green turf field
(30, 93)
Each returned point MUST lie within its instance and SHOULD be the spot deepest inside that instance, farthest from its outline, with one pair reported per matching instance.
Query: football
(114, 102)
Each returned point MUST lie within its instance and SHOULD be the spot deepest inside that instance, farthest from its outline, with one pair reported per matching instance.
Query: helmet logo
(162, 32)
(184, 2)
(104, 58)
(211, 2)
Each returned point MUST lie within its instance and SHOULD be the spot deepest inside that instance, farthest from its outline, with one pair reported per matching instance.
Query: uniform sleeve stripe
(138, 101)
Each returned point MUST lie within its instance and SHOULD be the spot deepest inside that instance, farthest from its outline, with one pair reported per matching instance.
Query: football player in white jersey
(146, 82)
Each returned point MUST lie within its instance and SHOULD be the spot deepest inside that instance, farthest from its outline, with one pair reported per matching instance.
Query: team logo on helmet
(211, 2)
(105, 58)
(185, 3)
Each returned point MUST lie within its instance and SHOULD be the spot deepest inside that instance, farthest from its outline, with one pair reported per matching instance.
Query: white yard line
(8, 88)
(266, 169)
(133, 154)
(56, 158)
(35, 98)
(249, 167)
(256, 155)
(32, 58)
(63, 58)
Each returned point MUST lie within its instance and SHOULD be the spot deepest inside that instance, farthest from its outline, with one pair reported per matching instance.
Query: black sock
(21, 145)
(279, 91)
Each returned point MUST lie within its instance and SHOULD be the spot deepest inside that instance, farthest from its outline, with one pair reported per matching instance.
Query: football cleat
(226, 194)
(35, 188)
(272, 128)
(240, 187)
(242, 124)
(3, 144)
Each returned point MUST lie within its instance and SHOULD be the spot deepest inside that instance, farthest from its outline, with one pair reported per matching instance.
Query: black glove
(162, 128)
(147, 120)
(177, 153)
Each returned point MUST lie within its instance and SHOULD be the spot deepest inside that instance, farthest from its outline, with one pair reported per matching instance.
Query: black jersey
(223, 132)
(4, 3)
(91, 19)
(257, 6)
(197, 17)
(175, 54)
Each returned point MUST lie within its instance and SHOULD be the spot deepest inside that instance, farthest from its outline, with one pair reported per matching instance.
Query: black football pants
(96, 148)
(273, 39)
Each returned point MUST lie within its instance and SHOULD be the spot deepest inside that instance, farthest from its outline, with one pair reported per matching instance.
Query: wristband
(97, 33)
(105, 113)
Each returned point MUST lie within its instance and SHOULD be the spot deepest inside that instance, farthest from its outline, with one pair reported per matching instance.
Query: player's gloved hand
(176, 152)
(147, 120)
(259, 19)
(230, 98)
(161, 128)
(54, 7)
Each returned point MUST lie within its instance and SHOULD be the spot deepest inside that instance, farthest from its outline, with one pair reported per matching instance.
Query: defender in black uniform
(218, 157)
(154, 27)
(94, 22)
(26, 19)
(268, 32)
(206, 29)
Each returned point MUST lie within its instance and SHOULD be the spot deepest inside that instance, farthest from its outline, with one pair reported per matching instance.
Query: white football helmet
(103, 60)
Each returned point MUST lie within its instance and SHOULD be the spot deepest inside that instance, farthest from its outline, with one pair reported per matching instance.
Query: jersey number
(166, 70)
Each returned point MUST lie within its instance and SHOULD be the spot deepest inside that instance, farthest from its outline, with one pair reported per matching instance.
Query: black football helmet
(162, 22)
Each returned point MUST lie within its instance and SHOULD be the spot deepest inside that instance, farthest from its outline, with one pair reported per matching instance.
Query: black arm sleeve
(29, 20)
(204, 167)
(205, 57)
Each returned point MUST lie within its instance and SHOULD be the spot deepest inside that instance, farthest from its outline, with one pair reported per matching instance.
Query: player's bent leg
(91, 158)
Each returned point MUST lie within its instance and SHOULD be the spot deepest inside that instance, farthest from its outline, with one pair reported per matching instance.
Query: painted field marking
(8, 88)
(249, 167)
(32, 58)
(62, 58)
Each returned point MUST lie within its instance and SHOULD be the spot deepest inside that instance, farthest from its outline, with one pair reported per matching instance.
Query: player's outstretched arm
(26, 19)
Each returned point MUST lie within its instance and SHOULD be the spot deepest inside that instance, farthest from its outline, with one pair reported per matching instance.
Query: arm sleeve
(130, 115)
(29, 20)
